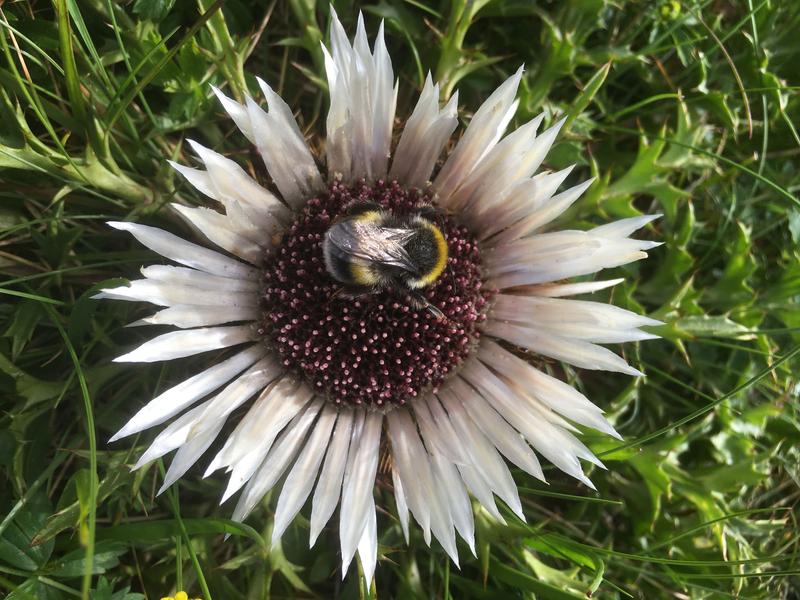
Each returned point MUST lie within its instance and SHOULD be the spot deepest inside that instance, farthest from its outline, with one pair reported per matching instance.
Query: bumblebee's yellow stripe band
(441, 262)
(363, 275)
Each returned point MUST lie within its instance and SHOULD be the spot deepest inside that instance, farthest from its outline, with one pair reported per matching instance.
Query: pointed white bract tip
(266, 89)
(251, 104)
(196, 146)
(121, 225)
(471, 546)
(228, 493)
(654, 323)
(118, 436)
(346, 560)
(645, 336)
(312, 537)
(221, 96)
(651, 245)
(634, 372)
(127, 430)
(586, 481)
(143, 460)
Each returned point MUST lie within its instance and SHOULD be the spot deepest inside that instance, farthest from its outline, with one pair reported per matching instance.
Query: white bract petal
(186, 393)
(235, 188)
(483, 455)
(283, 148)
(252, 440)
(196, 422)
(188, 454)
(558, 290)
(359, 479)
(550, 439)
(183, 252)
(237, 393)
(223, 232)
(447, 435)
(329, 486)
(400, 501)
(504, 437)
(624, 227)
(368, 544)
(452, 489)
(275, 463)
(575, 352)
(437, 443)
(170, 294)
(515, 158)
(406, 448)
(558, 255)
(579, 319)
(554, 393)
(484, 131)
(182, 276)
(425, 499)
(477, 485)
(178, 344)
(301, 479)
(186, 316)
(172, 437)
(363, 99)
(424, 136)
(527, 207)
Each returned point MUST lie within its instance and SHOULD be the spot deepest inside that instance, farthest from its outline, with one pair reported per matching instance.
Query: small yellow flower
(179, 596)
(670, 10)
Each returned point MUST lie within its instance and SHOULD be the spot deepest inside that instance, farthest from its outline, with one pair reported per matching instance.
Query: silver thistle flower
(326, 376)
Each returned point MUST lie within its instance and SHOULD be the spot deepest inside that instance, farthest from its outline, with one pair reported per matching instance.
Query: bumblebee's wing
(369, 242)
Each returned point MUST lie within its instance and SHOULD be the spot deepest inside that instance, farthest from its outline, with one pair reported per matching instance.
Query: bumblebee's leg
(420, 302)
(352, 291)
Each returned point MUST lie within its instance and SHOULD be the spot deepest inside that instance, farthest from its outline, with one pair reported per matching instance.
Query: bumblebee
(370, 249)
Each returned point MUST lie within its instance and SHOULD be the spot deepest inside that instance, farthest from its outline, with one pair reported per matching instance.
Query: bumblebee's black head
(428, 251)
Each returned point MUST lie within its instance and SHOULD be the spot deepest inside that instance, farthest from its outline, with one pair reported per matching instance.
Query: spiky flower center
(377, 349)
